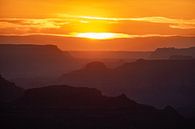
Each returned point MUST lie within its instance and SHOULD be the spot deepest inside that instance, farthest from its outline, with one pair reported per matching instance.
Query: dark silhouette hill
(8, 91)
(149, 81)
(33, 60)
(96, 66)
(61, 96)
(165, 53)
(62, 107)
(94, 74)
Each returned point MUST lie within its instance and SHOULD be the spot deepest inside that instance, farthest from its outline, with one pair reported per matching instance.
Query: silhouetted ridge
(170, 109)
(32, 60)
(168, 52)
(63, 107)
(90, 73)
(96, 66)
(19, 49)
(61, 96)
(89, 106)
(8, 90)
(66, 96)
(156, 82)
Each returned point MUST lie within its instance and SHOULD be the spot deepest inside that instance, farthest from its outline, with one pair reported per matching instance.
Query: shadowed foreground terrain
(65, 107)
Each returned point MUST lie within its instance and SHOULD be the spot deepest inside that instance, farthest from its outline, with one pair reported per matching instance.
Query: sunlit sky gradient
(98, 19)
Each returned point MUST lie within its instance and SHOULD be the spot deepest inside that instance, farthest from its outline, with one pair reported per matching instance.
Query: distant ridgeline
(32, 60)
(154, 82)
(174, 53)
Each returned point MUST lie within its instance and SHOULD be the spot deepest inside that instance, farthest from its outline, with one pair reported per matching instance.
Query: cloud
(65, 24)
(182, 26)
(173, 23)
(32, 23)
(180, 23)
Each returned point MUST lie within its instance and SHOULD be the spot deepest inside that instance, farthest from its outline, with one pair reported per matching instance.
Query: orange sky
(98, 18)
(104, 8)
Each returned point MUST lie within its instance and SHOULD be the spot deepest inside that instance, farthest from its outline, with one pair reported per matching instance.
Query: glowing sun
(100, 36)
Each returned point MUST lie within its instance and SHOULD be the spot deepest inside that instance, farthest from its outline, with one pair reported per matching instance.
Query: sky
(98, 19)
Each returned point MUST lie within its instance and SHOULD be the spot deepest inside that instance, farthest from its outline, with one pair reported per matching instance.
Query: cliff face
(165, 53)
(32, 60)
